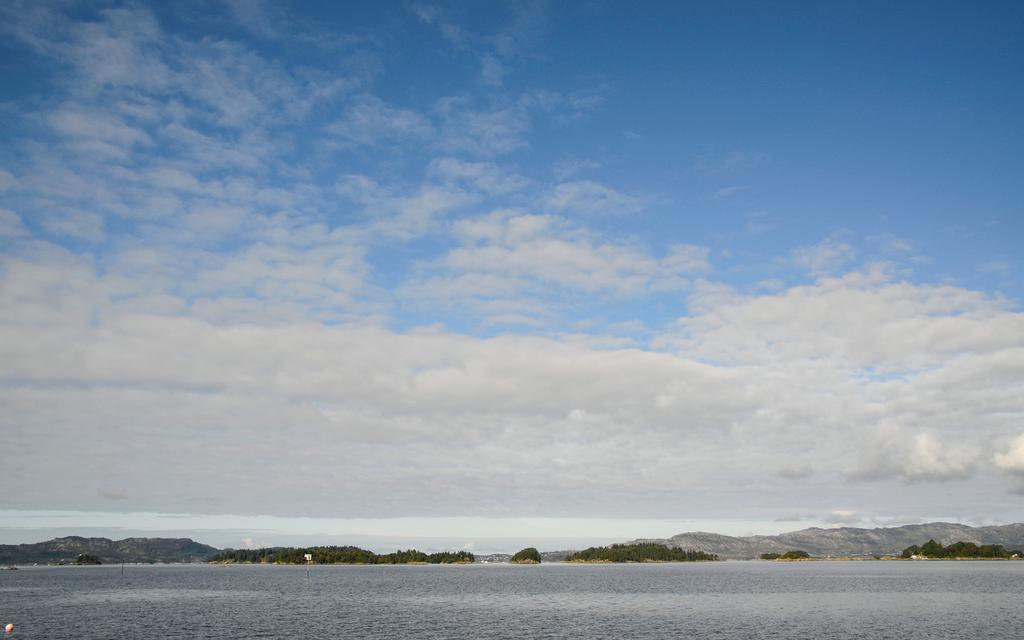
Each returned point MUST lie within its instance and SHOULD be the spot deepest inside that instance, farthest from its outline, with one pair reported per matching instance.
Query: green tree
(338, 555)
(644, 552)
(529, 555)
(932, 549)
(85, 558)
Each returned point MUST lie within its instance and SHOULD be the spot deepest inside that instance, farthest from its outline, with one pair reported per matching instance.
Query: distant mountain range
(846, 541)
(67, 549)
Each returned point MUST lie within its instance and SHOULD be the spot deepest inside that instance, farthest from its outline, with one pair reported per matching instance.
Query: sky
(471, 275)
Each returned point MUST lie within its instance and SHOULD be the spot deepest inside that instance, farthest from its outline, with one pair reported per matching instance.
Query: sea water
(725, 600)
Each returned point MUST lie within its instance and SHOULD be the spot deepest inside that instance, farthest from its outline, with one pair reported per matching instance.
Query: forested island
(960, 550)
(640, 553)
(789, 555)
(337, 555)
(529, 555)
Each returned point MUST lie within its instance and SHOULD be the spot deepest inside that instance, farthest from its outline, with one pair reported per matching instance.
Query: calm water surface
(730, 600)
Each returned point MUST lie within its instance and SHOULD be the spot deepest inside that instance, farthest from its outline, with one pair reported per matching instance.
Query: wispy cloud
(730, 191)
(514, 255)
(485, 177)
(370, 121)
(999, 266)
(586, 197)
(487, 132)
(827, 256)
(569, 167)
(10, 224)
(522, 29)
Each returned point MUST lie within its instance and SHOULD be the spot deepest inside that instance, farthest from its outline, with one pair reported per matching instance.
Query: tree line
(789, 555)
(932, 549)
(338, 555)
(645, 552)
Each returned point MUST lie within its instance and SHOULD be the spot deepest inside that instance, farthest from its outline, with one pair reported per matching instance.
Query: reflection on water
(899, 600)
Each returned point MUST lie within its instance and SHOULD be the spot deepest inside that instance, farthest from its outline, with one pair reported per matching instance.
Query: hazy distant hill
(108, 551)
(847, 541)
(545, 556)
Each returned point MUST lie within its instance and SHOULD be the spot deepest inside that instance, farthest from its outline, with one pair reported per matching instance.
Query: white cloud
(125, 57)
(123, 48)
(587, 197)
(491, 71)
(7, 181)
(76, 122)
(890, 451)
(95, 134)
(929, 458)
(412, 215)
(730, 191)
(826, 257)
(394, 213)
(425, 12)
(486, 177)
(686, 258)
(520, 32)
(998, 266)
(233, 397)
(249, 151)
(175, 179)
(10, 224)
(249, 543)
(511, 255)
(1011, 459)
(260, 17)
(437, 388)
(568, 167)
(481, 133)
(888, 243)
(862, 319)
(324, 277)
(432, 15)
(75, 224)
(370, 121)
(503, 127)
(846, 517)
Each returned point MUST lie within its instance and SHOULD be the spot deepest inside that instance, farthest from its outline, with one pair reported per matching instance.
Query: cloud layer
(238, 280)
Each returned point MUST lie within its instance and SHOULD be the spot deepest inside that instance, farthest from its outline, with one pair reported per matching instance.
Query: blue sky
(719, 265)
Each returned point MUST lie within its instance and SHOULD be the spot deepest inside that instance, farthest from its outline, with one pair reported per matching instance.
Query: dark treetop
(529, 555)
(640, 553)
(789, 555)
(339, 555)
(932, 549)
